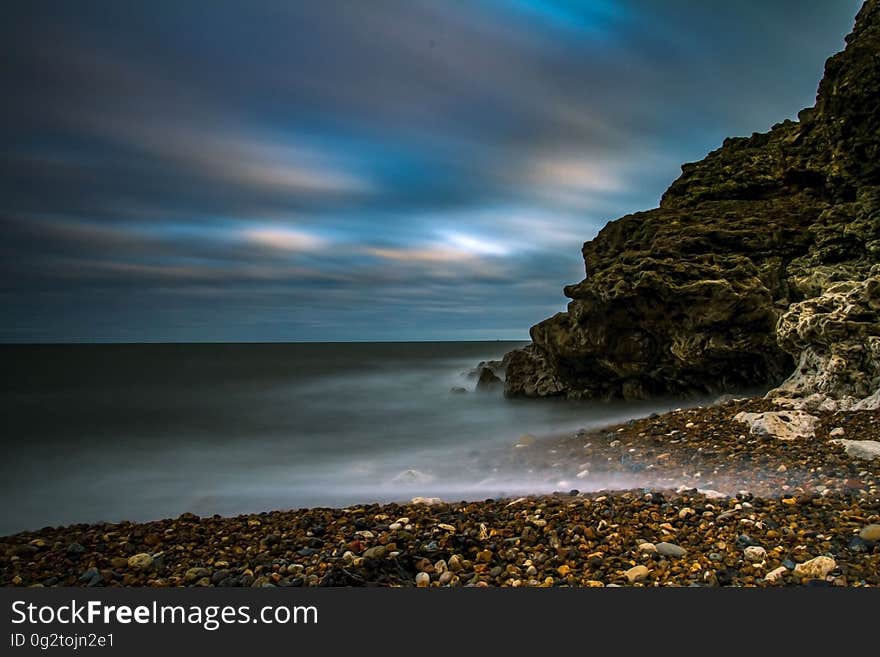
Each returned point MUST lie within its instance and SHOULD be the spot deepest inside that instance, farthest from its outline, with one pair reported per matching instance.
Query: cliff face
(685, 299)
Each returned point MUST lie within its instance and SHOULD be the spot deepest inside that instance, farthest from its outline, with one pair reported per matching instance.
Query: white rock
(860, 449)
(583, 474)
(836, 431)
(427, 501)
(783, 425)
(755, 553)
(815, 568)
(650, 548)
(871, 403)
(423, 579)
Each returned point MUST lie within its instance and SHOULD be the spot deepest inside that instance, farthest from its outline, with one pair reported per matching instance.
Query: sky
(337, 170)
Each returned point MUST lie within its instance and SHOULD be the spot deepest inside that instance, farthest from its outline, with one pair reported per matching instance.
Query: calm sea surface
(137, 432)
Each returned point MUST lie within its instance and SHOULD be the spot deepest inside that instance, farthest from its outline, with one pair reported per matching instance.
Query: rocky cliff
(686, 298)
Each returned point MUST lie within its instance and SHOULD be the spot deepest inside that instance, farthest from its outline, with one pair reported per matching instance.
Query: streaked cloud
(357, 170)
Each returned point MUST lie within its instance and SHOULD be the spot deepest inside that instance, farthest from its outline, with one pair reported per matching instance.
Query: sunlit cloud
(283, 239)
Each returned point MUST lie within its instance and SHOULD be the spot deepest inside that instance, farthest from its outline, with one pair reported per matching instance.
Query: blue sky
(350, 170)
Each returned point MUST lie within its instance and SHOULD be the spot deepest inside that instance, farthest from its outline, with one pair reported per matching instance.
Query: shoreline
(713, 505)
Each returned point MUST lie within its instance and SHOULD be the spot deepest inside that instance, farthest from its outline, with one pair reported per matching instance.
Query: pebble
(636, 573)
(140, 561)
(670, 550)
(650, 548)
(776, 574)
(870, 533)
(755, 554)
(376, 552)
(422, 579)
(815, 568)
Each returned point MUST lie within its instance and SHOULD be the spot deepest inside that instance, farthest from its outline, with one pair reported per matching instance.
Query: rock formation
(836, 337)
(685, 299)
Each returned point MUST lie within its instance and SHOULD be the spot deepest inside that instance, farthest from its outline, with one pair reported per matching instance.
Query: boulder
(783, 425)
(488, 380)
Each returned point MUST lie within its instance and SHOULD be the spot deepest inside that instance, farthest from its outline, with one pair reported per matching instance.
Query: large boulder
(684, 299)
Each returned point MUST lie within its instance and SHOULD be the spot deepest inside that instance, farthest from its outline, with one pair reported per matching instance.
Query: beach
(726, 506)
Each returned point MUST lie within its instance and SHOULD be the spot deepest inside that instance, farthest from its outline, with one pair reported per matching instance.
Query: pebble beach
(719, 504)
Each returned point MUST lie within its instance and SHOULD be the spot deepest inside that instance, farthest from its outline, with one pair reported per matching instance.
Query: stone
(427, 501)
(755, 553)
(91, 577)
(376, 552)
(870, 533)
(445, 577)
(696, 296)
(141, 561)
(836, 432)
(196, 573)
(423, 579)
(860, 449)
(636, 574)
(670, 550)
(783, 425)
(484, 556)
(458, 390)
(75, 549)
(776, 575)
(816, 568)
(650, 548)
(488, 380)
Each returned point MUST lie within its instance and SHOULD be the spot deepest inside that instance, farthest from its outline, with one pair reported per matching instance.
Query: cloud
(369, 167)
(283, 239)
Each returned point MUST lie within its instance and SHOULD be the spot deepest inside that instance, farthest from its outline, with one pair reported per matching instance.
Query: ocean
(103, 433)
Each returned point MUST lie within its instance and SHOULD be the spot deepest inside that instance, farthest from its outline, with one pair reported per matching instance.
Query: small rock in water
(670, 550)
(583, 474)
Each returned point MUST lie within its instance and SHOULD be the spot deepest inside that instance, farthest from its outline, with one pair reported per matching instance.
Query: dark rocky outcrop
(685, 299)
(488, 380)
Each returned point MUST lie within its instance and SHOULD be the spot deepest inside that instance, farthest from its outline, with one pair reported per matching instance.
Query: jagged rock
(684, 299)
(836, 337)
(784, 425)
(488, 380)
